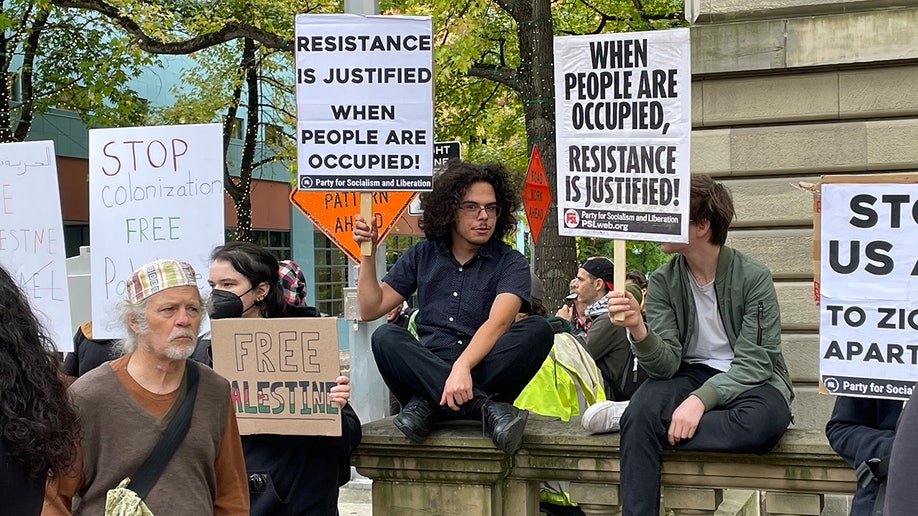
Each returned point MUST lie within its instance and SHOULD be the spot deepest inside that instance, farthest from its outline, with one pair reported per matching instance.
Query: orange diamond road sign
(536, 194)
(333, 213)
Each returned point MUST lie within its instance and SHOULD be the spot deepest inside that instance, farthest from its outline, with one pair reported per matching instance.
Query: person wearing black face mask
(288, 474)
(226, 305)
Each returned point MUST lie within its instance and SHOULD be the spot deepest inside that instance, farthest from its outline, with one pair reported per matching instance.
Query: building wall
(787, 91)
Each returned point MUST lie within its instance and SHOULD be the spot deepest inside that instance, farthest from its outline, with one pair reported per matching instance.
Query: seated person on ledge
(711, 349)
(470, 360)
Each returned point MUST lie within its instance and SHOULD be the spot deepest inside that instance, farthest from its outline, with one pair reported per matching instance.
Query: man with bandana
(606, 343)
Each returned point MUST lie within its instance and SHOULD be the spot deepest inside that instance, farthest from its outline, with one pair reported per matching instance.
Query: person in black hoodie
(38, 426)
(288, 474)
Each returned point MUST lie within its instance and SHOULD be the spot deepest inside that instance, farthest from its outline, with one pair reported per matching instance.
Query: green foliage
(484, 114)
(644, 256)
(77, 62)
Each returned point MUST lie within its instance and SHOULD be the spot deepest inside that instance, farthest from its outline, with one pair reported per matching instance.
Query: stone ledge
(554, 449)
(458, 471)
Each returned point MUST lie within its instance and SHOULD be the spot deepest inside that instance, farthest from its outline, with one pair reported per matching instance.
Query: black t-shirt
(19, 494)
(87, 354)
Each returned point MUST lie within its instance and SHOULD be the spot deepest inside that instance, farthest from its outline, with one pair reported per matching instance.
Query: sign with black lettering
(280, 372)
(154, 192)
(364, 97)
(868, 342)
(623, 123)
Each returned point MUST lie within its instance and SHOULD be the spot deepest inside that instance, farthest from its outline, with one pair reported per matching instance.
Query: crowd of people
(688, 358)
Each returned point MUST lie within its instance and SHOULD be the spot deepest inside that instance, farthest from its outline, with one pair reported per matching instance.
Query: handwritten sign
(32, 239)
(364, 95)
(280, 373)
(154, 192)
(868, 342)
(623, 111)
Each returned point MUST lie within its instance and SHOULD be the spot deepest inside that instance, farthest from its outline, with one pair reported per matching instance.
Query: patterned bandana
(292, 282)
(157, 276)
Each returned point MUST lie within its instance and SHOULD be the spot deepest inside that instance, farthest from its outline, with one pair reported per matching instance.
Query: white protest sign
(154, 192)
(364, 96)
(623, 123)
(32, 234)
(868, 342)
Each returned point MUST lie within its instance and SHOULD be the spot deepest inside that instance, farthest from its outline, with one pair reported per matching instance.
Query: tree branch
(232, 30)
(501, 74)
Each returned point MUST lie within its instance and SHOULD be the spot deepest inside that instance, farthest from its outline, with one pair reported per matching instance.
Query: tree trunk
(555, 256)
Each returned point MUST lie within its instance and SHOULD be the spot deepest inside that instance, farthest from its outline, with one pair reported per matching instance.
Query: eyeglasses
(473, 208)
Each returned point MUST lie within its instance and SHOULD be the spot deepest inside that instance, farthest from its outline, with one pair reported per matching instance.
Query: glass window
(75, 235)
(331, 269)
(277, 242)
(238, 130)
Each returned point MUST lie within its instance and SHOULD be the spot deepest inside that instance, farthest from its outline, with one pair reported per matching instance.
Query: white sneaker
(603, 416)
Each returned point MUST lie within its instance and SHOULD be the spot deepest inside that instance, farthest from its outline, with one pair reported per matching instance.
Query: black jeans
(411, 369)
(752, 423)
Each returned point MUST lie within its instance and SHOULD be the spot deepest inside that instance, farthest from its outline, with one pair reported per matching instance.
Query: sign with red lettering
(333, 214)
(536, 194)
(32, 234)
(281, 372)
(154, 192)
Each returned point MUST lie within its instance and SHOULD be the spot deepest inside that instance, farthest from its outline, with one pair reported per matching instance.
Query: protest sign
(154, 192)
(32, 238)
(280, 372)
(623, 123)
(868, 309)
(364, 94)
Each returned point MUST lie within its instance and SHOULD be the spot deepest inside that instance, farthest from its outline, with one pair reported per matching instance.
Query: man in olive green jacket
(711, 347)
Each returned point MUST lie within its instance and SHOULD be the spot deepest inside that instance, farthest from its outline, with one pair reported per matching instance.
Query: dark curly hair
(36, 417)
(442, 203)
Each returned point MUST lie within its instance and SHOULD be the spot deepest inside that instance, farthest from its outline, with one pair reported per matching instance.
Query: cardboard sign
(623, 125)
(280, 372)
(868, 342)
(364, 102)
(32, 235)
(154, 192)
(536, 194)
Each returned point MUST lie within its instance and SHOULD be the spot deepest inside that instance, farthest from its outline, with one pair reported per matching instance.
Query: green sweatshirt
(749, 309)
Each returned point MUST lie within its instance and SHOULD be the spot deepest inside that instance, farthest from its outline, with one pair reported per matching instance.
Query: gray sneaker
(603, 416)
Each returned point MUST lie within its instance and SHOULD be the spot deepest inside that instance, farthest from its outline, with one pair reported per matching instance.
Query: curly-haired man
(471, 360)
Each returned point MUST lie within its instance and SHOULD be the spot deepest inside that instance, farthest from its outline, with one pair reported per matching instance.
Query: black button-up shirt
(455, 299)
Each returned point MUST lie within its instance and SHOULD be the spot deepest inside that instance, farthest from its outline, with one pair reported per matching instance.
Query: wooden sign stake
(620, 260)
(366, 211)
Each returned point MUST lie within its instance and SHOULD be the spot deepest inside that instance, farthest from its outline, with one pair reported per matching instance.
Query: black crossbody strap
(146, 476)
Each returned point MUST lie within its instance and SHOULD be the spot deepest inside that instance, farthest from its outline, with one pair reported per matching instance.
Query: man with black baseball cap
(606, 343)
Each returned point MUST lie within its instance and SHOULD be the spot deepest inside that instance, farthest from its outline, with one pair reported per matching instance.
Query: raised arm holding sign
(711, 348)
(473, 359)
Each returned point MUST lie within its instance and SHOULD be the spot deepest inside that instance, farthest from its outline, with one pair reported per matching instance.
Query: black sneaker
(415, 420)
(504, 424)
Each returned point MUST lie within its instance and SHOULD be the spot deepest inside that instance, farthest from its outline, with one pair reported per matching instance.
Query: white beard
(179, 352)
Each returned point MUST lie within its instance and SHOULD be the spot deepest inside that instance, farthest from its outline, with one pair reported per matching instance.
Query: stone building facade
(785, 91)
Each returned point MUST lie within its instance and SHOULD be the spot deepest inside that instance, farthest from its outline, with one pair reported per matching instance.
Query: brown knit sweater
(122, 422)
